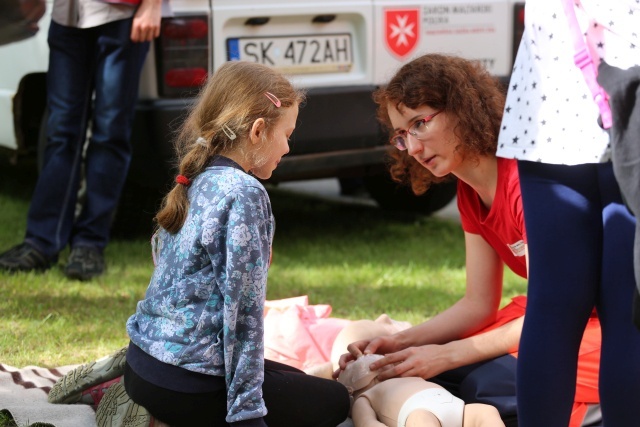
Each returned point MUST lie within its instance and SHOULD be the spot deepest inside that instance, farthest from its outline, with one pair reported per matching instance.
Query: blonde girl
(196, 356)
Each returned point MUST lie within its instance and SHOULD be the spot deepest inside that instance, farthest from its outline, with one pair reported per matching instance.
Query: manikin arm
(363, 414)
(481, 415)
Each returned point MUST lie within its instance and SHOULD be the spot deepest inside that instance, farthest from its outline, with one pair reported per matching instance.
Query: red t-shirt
(502, 226)
(588, 357)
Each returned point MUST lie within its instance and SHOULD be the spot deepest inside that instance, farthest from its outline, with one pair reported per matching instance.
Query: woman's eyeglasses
(418, 130)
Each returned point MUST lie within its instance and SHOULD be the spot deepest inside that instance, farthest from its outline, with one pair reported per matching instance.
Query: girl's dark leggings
(292, 397)
(580, 238)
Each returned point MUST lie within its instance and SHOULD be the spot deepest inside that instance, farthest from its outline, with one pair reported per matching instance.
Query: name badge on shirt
(517, 248)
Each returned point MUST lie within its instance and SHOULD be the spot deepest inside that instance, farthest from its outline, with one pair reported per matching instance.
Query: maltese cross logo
(402, 28)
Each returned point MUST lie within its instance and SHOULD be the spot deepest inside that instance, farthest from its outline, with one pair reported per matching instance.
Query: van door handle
(323, 19)
(258, 20)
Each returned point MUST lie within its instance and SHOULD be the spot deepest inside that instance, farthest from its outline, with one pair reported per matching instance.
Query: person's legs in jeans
(69, 87)
(118, 65)
(563, 218)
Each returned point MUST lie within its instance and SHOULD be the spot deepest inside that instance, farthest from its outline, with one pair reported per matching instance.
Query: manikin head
(357, 377)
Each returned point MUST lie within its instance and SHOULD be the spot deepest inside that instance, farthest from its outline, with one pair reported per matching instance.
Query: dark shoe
(84, 263)
(23, 257)
(117, 409)
(87, 383)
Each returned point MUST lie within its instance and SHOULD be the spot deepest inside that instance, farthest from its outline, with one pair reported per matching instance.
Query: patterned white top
(550, 115)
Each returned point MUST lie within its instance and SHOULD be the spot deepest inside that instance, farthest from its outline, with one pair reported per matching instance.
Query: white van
(339, 50)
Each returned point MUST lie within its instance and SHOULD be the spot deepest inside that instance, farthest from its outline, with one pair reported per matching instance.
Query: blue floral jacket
(203, 310)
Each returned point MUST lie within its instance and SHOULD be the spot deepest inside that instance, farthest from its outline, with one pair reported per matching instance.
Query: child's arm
(244, 260)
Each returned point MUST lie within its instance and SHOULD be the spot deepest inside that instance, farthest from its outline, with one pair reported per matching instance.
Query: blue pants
(93, 74)
(492, 382)
(580, 238)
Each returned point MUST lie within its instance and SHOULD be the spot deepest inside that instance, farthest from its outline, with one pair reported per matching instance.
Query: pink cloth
(299, 334)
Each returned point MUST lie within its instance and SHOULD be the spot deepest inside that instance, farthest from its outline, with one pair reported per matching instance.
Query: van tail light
(185, 29)
(182, 55)
(518, 27)
(185, 77)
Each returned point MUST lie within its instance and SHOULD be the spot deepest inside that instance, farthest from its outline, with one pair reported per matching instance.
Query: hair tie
(202, 141)
(183, 180)
(271, 97)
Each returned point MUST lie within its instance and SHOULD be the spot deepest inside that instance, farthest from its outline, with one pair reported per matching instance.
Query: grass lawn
(360, 260)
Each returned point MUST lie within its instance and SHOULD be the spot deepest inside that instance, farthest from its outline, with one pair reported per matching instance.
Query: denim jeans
(93, 78)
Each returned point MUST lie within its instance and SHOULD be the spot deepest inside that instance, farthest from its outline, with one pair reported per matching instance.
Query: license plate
(326, 53)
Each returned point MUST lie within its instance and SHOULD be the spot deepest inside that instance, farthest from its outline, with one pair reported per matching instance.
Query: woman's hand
(429, 360)
(380, 345)
(355, 350)
(425, 362)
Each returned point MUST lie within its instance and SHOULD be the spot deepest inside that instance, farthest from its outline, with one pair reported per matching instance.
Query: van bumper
(337, 135)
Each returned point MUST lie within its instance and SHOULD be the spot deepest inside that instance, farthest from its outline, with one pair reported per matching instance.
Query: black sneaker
(24, 257)
(84, 263)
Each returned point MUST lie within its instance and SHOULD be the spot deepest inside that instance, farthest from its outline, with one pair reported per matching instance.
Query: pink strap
(583, 60)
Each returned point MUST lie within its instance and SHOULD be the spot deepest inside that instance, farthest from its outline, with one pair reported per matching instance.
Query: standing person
(444, 114)
(580, 233)
(196, 356)
(96, 55)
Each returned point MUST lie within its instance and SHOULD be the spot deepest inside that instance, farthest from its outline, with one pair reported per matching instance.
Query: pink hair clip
(273, 99)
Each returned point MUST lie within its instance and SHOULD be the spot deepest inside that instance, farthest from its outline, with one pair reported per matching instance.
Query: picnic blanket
(23, 394)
